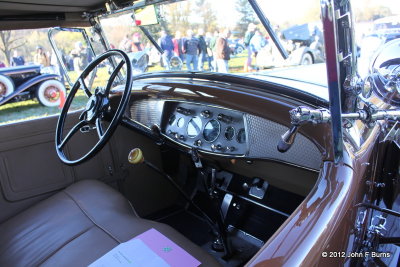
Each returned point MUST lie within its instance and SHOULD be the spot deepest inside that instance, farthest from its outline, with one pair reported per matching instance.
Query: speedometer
(211, 130)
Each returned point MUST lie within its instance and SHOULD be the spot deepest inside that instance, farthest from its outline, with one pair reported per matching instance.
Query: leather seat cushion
(77, 226)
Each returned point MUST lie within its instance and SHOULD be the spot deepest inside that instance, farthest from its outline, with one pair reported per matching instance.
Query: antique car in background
(305, 45)
(292, 167)
(28, 82)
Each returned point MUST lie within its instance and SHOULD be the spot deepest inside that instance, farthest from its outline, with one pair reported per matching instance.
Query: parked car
(293, 167)
(304, 43)
(236, 46)
(28, 82)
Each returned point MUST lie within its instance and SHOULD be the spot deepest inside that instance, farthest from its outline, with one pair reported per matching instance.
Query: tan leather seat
(77, 226)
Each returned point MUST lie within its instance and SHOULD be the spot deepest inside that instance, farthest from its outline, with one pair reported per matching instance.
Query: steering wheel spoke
(99, 128)
(112, 77)
(85, 88)
(71, 133)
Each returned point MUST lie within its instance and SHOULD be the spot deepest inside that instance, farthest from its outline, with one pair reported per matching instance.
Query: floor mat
(191, 226)
(197, 230)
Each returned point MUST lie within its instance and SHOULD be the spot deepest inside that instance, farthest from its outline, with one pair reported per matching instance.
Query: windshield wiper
(261, 16)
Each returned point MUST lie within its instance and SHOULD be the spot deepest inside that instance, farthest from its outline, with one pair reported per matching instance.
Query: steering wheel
(96, 108)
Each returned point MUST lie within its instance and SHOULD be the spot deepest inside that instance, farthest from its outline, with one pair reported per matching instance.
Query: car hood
(309, 79)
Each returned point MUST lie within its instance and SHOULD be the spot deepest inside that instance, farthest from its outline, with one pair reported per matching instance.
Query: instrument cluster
(206, 128)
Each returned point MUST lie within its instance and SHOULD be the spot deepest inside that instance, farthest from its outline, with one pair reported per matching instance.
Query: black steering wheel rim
(95, 108)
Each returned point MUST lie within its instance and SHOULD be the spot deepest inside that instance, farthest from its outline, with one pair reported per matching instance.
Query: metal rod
(183, 193)
(267, 25)
(391, 212)
(151, 39)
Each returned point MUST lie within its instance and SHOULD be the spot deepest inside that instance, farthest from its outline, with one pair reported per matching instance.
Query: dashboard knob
(135, 156)
(198, 143)
(182, 137)
(206, 114)
(216, 147)
(231, 148)
(183, 111)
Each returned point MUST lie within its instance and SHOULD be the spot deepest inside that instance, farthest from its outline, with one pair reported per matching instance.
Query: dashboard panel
(205, 127)
(221, 131)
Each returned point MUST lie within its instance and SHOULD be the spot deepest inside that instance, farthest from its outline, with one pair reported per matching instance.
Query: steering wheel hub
(92, 107)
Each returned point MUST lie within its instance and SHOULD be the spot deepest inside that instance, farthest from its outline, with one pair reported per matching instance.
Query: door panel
(29, 166)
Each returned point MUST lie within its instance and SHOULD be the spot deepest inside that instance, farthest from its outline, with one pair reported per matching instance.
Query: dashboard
(205, 127)
(221, 131)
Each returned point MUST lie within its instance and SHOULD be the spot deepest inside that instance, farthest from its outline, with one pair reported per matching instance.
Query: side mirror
(384, 73)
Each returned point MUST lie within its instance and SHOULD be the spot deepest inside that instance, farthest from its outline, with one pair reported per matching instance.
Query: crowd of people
(201, 49)
(197, 49)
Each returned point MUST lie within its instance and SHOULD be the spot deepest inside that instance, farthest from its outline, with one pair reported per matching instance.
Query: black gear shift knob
(287, 139)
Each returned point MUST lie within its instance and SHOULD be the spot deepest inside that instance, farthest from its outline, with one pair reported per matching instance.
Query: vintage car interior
(212, 161)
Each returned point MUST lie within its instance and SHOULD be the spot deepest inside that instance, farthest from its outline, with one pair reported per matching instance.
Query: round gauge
(171, 120)
(241, 136)
(211, 130)
(180, 122)
(229, 133)
(194, 127)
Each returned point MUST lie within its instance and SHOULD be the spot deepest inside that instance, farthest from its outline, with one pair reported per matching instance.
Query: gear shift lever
(135, 156)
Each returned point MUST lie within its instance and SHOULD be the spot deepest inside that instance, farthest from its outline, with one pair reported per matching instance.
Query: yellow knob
(135, 156)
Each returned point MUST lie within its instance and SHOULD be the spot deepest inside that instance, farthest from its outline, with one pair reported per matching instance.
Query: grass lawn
(31, 109)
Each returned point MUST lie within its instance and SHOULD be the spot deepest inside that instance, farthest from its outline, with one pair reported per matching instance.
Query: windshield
(220, 36)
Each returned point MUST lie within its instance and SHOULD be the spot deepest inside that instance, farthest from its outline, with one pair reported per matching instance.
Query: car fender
(297, 54)
(36, 80)
(28, 84)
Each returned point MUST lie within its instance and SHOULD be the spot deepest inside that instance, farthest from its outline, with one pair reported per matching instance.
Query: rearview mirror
(146, 16)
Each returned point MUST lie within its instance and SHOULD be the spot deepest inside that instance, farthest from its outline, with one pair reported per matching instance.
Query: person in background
(17, 60)
(40, 58)
(212, 45)
(166, 44)
(137, 44)
(257, 42)
(209, 51)
(178, 45)
(202, 49)
(80, 56)
(126, 44)
(247, 38)
(2, 65)
(223, 51)
(191, 49)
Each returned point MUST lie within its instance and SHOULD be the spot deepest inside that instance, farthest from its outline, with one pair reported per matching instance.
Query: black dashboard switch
(206, 114)
(224, 118)
(231, 148)
(216, 147)
(183, 111)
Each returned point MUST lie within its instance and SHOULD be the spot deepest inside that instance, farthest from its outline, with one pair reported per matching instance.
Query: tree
(208, 16)
(247, 16)
(9, 42)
